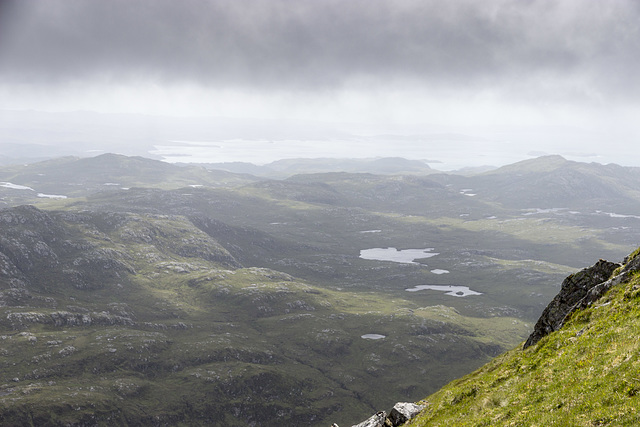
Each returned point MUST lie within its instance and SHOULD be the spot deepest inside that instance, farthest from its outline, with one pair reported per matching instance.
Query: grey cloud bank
(326, 43)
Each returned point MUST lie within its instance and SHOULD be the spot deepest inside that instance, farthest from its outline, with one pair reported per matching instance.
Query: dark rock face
(631, 266)
(574, 289)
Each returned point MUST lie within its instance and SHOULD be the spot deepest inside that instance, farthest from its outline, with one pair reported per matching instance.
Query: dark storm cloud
(322, 43)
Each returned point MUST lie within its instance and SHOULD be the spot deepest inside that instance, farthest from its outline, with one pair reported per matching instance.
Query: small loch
(373, 336)
(454, 291)
(404, 256)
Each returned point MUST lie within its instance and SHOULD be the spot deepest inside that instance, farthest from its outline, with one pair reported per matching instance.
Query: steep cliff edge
(580, 366)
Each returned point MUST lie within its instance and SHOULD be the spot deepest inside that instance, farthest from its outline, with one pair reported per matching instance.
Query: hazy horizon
(514, 78)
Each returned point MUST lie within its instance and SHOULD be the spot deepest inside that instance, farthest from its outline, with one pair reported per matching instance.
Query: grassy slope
(586, 374)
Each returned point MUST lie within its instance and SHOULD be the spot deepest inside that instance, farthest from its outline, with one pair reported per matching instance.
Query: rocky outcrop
(65, 318)
(401, 413)
(573, 291)
(630, 266)
(376, 420)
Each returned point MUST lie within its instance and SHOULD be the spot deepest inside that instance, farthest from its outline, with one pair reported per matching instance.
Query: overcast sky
(456, 63)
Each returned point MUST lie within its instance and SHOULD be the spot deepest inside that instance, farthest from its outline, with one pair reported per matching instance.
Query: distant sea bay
(440, 154)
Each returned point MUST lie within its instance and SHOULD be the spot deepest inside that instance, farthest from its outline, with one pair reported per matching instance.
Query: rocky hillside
(580, 367)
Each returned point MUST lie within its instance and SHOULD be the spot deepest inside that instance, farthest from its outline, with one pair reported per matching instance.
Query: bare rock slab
(403, 412)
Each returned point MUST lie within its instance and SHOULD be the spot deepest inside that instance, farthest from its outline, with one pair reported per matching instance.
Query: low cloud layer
(571, 49)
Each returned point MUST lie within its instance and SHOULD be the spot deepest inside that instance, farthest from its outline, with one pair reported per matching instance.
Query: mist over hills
(28, 136)
(151, 276)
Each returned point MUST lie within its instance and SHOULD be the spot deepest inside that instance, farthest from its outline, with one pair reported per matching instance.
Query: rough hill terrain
(144, 319)
(585, 373)
(200, 286)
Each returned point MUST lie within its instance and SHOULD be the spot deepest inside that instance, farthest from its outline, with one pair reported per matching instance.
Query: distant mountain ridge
(77, 177)
(288, 167)
(544, 182)
(553, 182)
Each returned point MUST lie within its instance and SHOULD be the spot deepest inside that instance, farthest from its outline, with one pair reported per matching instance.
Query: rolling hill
(553, 182)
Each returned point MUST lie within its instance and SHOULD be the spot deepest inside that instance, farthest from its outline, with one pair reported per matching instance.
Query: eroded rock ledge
(574, 288)
(578, 291)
